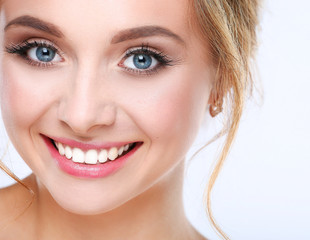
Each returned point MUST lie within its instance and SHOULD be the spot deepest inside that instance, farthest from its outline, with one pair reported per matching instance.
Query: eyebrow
(35, 23)
(124, 35)
(144, 31)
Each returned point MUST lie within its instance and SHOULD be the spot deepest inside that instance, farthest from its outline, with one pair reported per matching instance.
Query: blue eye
(43, 54)
(40, 53)
(140, 61)
(144, 60)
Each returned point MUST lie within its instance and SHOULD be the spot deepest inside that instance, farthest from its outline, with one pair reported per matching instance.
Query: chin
(87, 207)
(89, 197)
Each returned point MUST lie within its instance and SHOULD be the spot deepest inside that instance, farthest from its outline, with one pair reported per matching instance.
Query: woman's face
(95, 77)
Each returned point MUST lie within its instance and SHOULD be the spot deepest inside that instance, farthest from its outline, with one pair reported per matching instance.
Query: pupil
(45, 54)
(142, 61)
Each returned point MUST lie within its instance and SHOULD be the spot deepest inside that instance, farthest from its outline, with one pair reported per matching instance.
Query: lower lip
(89, 170)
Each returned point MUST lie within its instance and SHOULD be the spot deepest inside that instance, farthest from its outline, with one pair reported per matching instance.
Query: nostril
(85, 107)
(107, 115)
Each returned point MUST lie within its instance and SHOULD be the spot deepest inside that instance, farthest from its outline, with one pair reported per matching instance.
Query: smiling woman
(110, 98)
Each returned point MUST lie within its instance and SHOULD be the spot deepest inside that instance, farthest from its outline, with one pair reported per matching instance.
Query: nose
(84, 106)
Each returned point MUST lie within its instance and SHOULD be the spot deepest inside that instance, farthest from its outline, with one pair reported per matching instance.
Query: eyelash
(163, 60)
(23, 48)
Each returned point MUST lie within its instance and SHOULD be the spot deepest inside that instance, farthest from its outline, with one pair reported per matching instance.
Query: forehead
(76, 17)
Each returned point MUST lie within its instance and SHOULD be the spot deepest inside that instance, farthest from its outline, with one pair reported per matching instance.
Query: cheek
(170, 110)
(18, 97)
(24, 97)
(177, 115)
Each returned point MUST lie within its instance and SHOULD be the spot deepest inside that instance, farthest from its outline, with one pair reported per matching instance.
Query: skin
(90, 97)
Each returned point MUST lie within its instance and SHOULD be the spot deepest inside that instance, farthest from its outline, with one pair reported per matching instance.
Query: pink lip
(88, 170)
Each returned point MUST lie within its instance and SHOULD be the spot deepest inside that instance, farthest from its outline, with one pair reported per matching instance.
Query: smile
(88, 160)
(92, 156)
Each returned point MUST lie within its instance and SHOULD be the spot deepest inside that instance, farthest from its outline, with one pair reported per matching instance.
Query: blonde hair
(229, 27)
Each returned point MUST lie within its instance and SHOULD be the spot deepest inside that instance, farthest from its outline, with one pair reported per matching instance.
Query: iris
(45, 54)
(142, 61)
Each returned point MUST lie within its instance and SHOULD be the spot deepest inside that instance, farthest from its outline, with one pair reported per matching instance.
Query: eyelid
(163, 60)
(22, 48)
(144, 48)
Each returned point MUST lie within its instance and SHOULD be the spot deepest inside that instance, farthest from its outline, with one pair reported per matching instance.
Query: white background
(263, 191)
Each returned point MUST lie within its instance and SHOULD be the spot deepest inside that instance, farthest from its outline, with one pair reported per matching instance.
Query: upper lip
(88, 145)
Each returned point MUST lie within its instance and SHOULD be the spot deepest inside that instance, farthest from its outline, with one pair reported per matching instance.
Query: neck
(155, 214)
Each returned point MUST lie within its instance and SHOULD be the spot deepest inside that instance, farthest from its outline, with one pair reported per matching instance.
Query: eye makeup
(23, 49)
(141, 60)
(161, 59)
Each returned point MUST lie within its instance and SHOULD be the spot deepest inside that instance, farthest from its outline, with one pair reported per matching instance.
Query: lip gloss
(89, 170)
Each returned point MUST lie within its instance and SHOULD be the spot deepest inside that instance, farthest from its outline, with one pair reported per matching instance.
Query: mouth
(90, 160)
(92, 156)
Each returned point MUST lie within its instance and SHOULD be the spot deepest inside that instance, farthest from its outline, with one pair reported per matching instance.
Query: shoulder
(14, 201)
(7, 198)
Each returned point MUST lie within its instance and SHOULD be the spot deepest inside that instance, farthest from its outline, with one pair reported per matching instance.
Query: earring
(215, 108)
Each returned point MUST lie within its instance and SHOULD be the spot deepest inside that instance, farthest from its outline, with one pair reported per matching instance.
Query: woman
(102, 100)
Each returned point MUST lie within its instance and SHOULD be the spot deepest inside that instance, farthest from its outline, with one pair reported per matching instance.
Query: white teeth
(68, 152)
(61, 149)
(120, 150)
(77, 155)
(91, 156)
(113, 153)
(103, 156)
